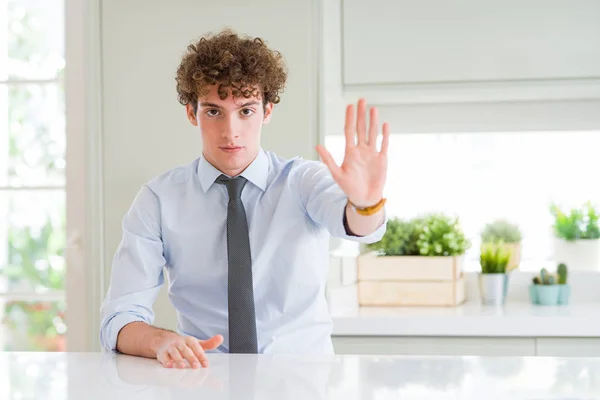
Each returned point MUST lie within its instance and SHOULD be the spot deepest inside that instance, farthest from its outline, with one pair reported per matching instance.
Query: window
(482, 176)
(32, 176)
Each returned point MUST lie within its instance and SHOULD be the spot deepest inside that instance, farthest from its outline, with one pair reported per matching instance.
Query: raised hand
(363, 172)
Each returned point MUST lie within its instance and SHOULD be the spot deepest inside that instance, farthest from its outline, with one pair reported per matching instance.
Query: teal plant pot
(564, 293)
(533, 294)
(547, 295)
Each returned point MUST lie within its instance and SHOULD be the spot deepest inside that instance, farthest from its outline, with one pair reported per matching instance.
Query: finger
(386, 139)
(361, 123)
(198, 352)
(349, 127)
(212, 343)
(165, 359)
(188, 354)
(373, 128)
(329, 161)
(176, 356)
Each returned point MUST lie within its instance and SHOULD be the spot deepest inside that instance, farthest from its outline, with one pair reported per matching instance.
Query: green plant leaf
(577, 223)
(400, 239)
(501, 230)
(433, 234)
(494, 258)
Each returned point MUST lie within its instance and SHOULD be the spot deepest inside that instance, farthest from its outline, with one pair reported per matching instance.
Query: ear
(189, 110)
(268, 113)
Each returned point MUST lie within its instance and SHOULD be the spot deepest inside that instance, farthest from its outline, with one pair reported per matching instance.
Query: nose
(230, 128)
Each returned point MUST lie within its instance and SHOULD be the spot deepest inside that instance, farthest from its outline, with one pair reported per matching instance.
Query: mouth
(231, 149)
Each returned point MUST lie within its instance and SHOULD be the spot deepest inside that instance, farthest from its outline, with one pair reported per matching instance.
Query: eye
(246, 112)
(212, 112)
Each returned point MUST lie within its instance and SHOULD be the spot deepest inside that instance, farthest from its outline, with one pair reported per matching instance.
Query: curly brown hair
(240, 63)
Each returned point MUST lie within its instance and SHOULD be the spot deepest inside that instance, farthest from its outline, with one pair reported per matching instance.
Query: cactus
(562, 274)
(544, 276)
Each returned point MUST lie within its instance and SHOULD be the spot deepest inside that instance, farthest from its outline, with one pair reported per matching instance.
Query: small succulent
(546, 278)
(561, 271)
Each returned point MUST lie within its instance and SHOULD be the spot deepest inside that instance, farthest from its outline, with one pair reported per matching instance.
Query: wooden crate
(411, 293)
(410, 281)
(409, 268)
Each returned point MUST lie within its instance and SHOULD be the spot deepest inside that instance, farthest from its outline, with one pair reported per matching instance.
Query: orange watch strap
(366, 211)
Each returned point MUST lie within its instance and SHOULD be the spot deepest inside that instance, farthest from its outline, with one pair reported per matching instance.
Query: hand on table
(183, 351)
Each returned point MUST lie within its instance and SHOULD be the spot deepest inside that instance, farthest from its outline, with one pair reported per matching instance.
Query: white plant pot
(493, 288)
(581, 254)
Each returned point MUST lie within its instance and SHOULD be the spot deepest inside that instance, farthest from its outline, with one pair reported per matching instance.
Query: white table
(470, 319)
(94, 376)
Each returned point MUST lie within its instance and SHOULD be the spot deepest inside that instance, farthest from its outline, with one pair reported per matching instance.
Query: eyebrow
(249, 103)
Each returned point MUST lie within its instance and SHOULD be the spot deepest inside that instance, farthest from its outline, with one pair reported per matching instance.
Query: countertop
(94, 376)
(470, 319)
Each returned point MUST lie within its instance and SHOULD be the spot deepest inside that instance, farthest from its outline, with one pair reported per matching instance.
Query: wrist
(369, 210)
(158, 338)
(365, 202)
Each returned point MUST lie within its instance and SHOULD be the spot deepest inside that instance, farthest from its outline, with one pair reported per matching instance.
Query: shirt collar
(256, 173)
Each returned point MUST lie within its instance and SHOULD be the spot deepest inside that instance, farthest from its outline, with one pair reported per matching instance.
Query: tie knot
(234, 185)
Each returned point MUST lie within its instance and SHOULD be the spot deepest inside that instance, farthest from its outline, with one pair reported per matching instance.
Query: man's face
(230, 129)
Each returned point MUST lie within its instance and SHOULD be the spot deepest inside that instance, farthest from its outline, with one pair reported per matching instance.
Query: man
(241, 232)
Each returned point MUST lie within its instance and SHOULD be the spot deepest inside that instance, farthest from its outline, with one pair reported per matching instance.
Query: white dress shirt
(177, 225)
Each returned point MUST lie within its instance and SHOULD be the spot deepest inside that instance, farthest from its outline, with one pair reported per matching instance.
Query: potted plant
(400, 239)
(564, 290)
(501, 232)
(550, 289)
(577, 237)
(493, 278)
(417, 262)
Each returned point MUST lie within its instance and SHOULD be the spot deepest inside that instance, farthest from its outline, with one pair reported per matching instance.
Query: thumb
(212, 343)
(328, 161)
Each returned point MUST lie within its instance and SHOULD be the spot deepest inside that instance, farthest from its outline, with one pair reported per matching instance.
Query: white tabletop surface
(470, 319)
(94, 376)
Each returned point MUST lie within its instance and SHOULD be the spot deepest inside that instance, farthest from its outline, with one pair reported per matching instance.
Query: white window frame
(85, 230)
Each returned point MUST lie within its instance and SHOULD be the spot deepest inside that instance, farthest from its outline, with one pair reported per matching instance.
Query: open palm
(363, 172)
